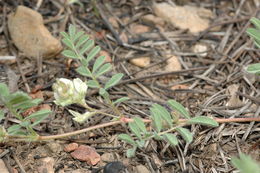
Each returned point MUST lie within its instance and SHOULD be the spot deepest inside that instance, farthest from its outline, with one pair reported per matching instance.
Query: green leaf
(103, 69)
(68, 43)
(203, 120)
(100, 60)
(127, 139)
(12, 129)
(256, 22)
(78, 35)
(157, 119)
(139, 122)
(185, 133)
(245, 164)
(140, 143)
(121, 100)
(4, 91)
(84, 71)
(134, 128)
(164, 114)
(38, 114)
(171, 138)
(65, 35)
(81, 41)
(86, 46)
(22, 106)
(72, 31)
(179, 108)
(93, 84)
(18, 97)
(254, 33)
(131, 152)
(2, 115)
(254, 68)
(114, 80)
(70, 54)
(93, 53)
(25, 123)
(104, 93)
(41, 117)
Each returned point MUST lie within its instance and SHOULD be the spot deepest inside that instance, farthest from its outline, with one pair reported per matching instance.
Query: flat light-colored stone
(47, 165)
(173, 64)
(201, 49)
(184, 17)
(151, 19)
(141, 61)
(30, 35)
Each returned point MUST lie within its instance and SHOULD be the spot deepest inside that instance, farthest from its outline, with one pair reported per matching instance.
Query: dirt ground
(213, 83)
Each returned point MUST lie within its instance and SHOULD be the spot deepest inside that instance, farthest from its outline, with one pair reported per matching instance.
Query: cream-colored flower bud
(68, 92)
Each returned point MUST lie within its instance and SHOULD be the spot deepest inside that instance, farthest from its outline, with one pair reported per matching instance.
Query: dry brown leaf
(87, 154)
(30, 35)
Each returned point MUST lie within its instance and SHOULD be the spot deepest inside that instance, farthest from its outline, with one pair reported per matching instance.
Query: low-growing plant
(163, 122)
(255, 34)
(17, 104)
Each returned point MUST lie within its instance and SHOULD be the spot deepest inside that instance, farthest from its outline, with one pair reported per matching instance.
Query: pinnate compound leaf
(4, 91)
(164, 114)
(179, 108)
(86, 46)
(156, 119)
(254, 68)
(114, 80)
(81, 41)
(103, 69)
(93, 53)
(203, 121)
(171, 138)
(134, 128)
(93, 84)
(131, 152)
(99, 61)
(121, 100)
(185, 133)
(84, 71)
(127, 139)
(70, 54)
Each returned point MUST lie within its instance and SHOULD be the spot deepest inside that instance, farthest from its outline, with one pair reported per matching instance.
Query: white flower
(81, 118)
(68, 92)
